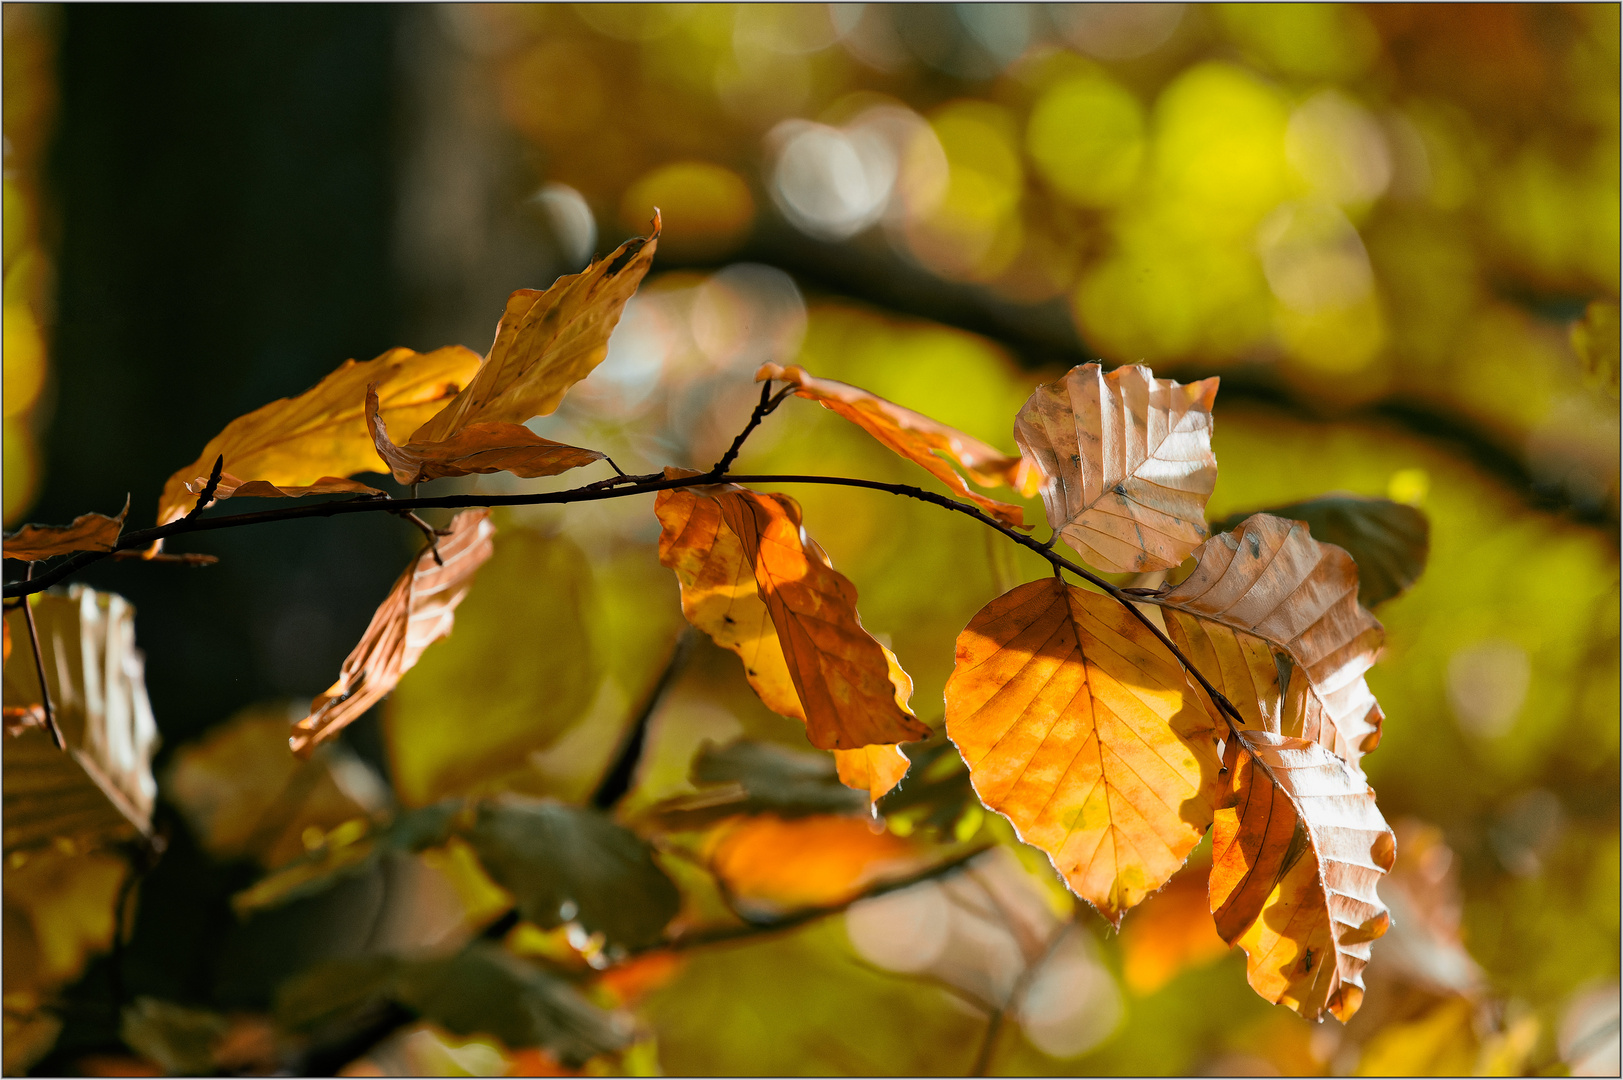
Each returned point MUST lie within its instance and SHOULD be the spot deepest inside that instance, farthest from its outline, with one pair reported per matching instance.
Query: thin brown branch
(995, 1022)
(209, 488)
(39, 669)
(616, 780)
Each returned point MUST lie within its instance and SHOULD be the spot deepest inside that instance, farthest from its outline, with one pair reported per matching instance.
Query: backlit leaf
(918, 438)
(418, 611)
(545, 343)
(1079, 727)
(874, 769)
(1126, 462)
(772, 866)
(89, 532)
(477, 448)
(1172, 933)
(1388, 540)
(230, 486)
(1272, 617)
(1297, 849)
(322, 433)
(755, 583)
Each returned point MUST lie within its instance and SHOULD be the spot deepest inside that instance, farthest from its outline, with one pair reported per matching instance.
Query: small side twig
(617, 778)
(188, 558)
(431, 534)
(204, 496)
(995, 1022)
(39, 669)
(762, 410)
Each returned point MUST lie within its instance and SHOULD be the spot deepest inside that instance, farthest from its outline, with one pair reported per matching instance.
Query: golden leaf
(918, 438)
(874, 769)
(1126, 463)
(771, 865)
(89, 532)
(418, 611)
(1272, 617)
(546, 342)
(295, 442)
(1079, 727)
(477, 448)
(1298, 846)
(233, 487)
(1171, 934)
(752, 580)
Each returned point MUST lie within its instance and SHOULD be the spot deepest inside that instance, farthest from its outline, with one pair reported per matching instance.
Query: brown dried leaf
(89, 532)
(1080, 728)
(918, 438)
(230, 487)
(477, 448)
(1272, 617)
(418, 611)
(322, 433)
(546, 342)
(757, 585)
(1298, 846)
(1126, 463)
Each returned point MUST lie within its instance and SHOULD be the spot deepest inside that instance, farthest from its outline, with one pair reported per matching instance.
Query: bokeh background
(1393, 230)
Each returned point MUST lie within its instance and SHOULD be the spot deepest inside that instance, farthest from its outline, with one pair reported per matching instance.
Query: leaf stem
(39, 669)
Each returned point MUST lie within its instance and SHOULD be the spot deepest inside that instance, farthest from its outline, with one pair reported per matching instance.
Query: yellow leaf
(1171, 933)
(918, 438)
(1440, 1043)
(418, 611)
(89, 532)
(1272, 617)
(1297, 849)
(477, 448)
(755, 583)
(1079, 727)
(545, 343)
(295, 442)
(1126, 463)
(771, 865)
(231, 486)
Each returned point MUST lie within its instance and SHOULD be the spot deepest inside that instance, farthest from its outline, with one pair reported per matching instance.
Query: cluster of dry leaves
(1076, 719)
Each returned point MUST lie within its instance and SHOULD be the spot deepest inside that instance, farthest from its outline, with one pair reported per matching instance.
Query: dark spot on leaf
(729, 619)
(1307, 960)
(627, 253)
(1121, 489)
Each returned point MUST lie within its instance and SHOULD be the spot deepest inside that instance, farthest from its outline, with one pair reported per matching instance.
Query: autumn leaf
(418, 611)
(1389, 541)
(89, 532)
(1079, 727)
(1298, 846)
(1171, 934)
(755, 583)
(918, 438)
(747, 777)
(546, 342)
(1126, 463)
(322, 433)
(231, 487)
(771, 866)
(1271, 616)
(477, 448)
(874, 769)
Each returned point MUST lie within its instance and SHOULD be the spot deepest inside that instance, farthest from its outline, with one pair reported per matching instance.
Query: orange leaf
(1126, 461)
(418, 611)
(231, 487)
(918, 438)
(1272, 617)
(1297, 848)
(89, 532)
(547, 342)
(1078, 726)
(874, 769)
(477, 448)
(776, 865)
(755, 583)
(322, 433)
(1171, 933)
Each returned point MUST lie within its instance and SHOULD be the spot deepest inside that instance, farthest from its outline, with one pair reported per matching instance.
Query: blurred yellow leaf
(1441, 1043)
(1126, 463)
(89, 532)
(771, 865)
(418, 611)
(1079, 727)
(1297, 848)
(1172, 932)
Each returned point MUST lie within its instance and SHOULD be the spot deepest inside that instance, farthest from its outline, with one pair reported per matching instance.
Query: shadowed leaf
(755, 583)
(1271, 616)
(1388, 540)
(477, 448)
(1297, 848)
(232, 487)
(1126, 461)
(1079, 727)
(89, 532)
(299, 441)
(750, 778)
(418, 611)
(918, 438)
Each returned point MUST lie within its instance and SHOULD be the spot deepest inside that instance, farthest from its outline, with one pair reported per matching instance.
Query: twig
(994, 1022)
(429, 532)
(207, 493)
(622, 768)
(763, 409)
(39, 669)
(188, 558)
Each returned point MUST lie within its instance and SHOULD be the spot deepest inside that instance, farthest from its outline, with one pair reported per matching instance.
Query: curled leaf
(755, 583)
(89, 532)
(477, 448)
(1126, 463)
(1080, 728)
(230, 487)
(918, 438)
(546, 342)
(418, 611)
(1272, 617)
(1297, 849)
(322, 433)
